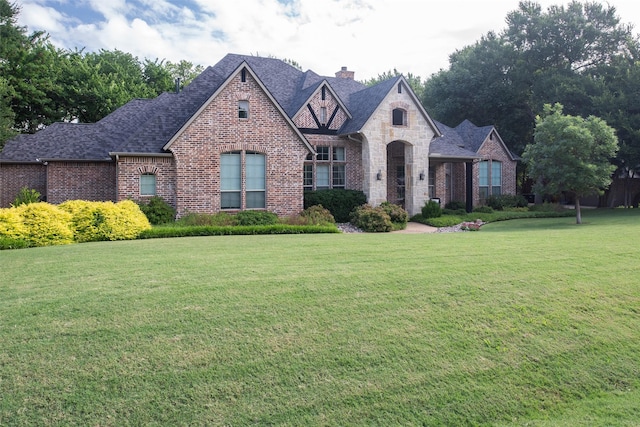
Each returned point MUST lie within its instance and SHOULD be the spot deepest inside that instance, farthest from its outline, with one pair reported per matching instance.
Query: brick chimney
(344, 74)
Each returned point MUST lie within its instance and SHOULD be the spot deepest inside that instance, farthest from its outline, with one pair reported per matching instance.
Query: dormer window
(399, 117)
(243, 109)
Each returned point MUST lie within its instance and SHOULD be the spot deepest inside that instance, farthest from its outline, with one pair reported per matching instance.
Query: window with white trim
(242, 180)
(326, 170)
(147, 184)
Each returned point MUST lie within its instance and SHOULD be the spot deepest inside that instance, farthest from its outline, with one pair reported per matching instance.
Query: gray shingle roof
(146, 126)
(460, 142)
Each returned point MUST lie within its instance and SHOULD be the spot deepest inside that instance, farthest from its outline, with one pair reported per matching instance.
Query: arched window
(399, 117)
(243, 180)
(147, 184)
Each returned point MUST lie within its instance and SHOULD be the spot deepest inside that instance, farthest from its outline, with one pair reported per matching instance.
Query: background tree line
(41, 84)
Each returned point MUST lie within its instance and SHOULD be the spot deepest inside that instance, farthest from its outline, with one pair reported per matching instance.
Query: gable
(241, 86)
(323, 112)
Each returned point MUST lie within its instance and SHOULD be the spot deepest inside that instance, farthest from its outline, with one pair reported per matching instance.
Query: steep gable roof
(451, 145)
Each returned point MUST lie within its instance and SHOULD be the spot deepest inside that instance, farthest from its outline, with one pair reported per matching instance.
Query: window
(399, 87)
(496, 178)
(243, 75)
(327, 170)
(324, 93)
(432, 183)
(243, 109)
(232, 188)
(399, 117)
(323, 115)
(483, 183)
(147, 184)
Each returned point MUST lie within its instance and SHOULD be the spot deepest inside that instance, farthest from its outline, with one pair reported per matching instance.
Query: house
(255, 133)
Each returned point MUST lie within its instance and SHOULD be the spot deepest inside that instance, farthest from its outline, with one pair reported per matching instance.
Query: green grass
(527, 322)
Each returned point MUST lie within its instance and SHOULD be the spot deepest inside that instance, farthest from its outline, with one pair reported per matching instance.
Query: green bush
(10, 243)
(317, 215)
(207, 230)
(256, 218)
(483, 209)
(158, 211)
(217, 219)
(503, 201)
(397, 214)
(443, 221)
(26, 196)
(458, 212)
(456, 205)
(371, 219)
(431, 209)
(339, 202)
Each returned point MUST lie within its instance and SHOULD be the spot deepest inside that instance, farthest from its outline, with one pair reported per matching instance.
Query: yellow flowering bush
(95, 221)
(44, 224)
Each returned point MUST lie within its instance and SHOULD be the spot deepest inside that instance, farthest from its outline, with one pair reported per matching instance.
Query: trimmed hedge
(339, 202)
(370, 219)
(212, 230)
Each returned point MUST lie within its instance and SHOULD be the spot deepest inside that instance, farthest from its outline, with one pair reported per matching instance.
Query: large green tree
(571, 154)
(557, 55)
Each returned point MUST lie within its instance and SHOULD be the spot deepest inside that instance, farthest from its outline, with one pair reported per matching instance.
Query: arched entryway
(398, 175)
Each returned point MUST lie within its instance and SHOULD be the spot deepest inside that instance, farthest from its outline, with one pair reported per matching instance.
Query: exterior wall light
(379, 175)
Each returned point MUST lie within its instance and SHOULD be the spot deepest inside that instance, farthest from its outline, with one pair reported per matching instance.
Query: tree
(571, 154)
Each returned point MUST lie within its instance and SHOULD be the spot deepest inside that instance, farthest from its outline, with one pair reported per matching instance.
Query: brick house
(255, 133)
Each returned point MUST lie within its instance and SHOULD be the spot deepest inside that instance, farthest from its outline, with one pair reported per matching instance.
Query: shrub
(483, 209)
(217, 219)
(44, 224)
(431, 209)
(458, 212)
(371, 219)
(26, 196)
(547, 207)
(456, 205)
(443, 221)
(96, 221)
(256, 218)
(317, 215)
(339, 202)
(396, 213)
(503, 201)
(158, 211)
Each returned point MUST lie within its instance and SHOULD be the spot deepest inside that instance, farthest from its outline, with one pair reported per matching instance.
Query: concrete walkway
(417, 228)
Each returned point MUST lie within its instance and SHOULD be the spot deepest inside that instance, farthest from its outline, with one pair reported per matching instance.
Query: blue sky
(367, 36)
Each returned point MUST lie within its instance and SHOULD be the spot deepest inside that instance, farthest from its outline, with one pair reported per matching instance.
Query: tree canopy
(571, 154)
(41, 84)
(579, 55)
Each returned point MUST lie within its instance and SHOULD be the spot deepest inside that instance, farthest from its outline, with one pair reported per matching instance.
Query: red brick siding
(217, 129)
(81, 181)
(13, 177)
(305, 120)
(492, 149)
(131, 168)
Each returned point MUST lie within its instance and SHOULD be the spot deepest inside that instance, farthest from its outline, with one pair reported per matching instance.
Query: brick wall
(492, 150)
(13, 177)
(304, 118)
(352, 154)
(131, 168)
(81, 181)
(218, 129)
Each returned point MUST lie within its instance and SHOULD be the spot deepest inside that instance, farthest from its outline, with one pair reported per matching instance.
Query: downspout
(469, 173)
(117, 177)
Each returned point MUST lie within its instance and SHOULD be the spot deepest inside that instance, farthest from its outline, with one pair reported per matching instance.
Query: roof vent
(344, 74)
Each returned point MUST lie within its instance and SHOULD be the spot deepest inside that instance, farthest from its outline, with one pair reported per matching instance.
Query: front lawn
(527, 322)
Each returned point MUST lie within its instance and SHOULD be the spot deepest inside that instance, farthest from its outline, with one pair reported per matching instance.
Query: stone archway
(397, 181)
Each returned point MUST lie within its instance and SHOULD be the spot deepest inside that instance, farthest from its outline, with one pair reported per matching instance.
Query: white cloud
(368, 36)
